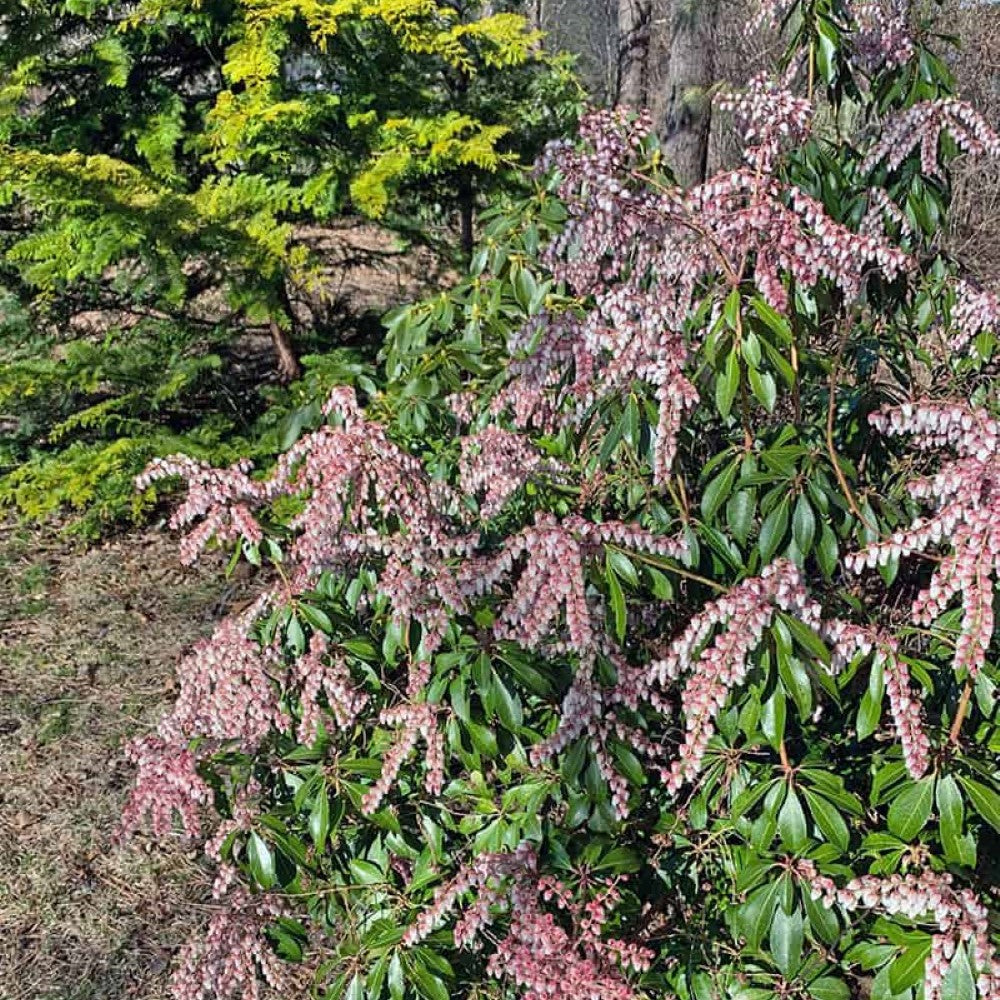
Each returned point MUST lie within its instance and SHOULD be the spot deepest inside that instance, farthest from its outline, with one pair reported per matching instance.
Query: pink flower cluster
(495, 464)
(228, 690)
(645, 256)
(227, 694)
(881, 38)
(966, 495)
(538, 953)
(166, 782)
(848, 640)
(223, 499)
(552, 579)
(958, 916)
(321, 673)
(415, 721)
(973, 312)
(767, 115)
(223, 963)
(882, 209)
(714, 670)
(922, 126)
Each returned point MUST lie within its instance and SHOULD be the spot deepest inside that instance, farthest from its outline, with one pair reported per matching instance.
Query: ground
(88, 643)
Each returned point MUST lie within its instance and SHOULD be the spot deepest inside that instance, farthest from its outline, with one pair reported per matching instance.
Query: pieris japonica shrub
(636, 637)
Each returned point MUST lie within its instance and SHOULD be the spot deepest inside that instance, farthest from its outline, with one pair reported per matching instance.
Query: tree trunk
(633, 52)
(289, 368)
(683, 111)
(534, 12)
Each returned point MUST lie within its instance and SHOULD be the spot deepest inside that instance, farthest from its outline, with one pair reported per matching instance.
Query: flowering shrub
(572, 677)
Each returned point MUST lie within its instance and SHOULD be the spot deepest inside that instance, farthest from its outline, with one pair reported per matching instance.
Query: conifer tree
(151, 152)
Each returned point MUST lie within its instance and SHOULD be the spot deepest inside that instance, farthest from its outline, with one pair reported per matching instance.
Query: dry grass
(88, 641)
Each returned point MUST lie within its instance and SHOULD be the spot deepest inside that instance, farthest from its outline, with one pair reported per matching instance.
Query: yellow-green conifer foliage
(151, 150)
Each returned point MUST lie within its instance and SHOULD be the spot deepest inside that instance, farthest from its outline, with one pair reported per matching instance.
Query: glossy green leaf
(984, 800)
(908, 969)
(319, 818)
(727, 384)
(739, 514)
(792, 823)
(829, 820)
(958, 847)
(786, 941)
(718, 490)
(803, 524)
(773, 530)
(829, 988)
(959, 982)
(911, 809)
(261, 859)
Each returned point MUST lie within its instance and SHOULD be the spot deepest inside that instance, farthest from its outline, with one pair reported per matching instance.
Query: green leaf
(756, 915)
(772, 531)
(827, 551)
(827, 817)
(806, 637)
(908, 969)
(786, 941)
(958, 848)
(772, 319)
(792, 823)
(295, 635)
(508, 706)
(319, 818)
(984, 800)
(739, 514)
(911, 809)
(731, 310)
(261, 859)
(356, 991)
(870, 709)
(803, 524)
(317, 618)
(428, 985)
(764, 388)
(718, 490)
(959, 983)
(828, 988)
(623, 567)
(796, 682)
(365, 872)
(822, 920)
(726, 385)
(772, 718)
(618, 609)
(620, 861)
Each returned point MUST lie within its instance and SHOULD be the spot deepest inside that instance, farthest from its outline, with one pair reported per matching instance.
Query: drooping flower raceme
(848, 640)
(922, 127)
(965, 494)
(538, 953)
(959, 918)
(645, 254)
(714, 670)
(226, 963)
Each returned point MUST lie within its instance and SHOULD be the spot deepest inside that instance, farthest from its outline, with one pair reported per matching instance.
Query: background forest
(470, 251)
